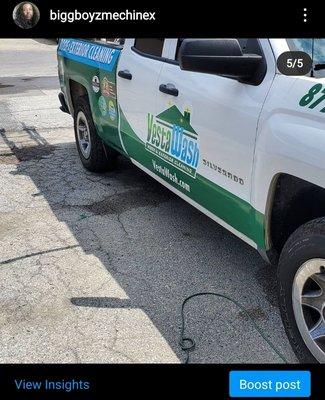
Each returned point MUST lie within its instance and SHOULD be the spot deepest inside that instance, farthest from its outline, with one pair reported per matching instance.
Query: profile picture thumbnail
(26, 15)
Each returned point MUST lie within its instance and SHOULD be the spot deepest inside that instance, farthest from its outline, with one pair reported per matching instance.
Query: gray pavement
(94, 268)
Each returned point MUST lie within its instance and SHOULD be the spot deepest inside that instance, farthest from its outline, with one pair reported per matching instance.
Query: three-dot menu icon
(305, 14)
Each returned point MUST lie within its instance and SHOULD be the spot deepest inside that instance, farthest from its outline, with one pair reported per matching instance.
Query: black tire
(306, 243)
(101, 157)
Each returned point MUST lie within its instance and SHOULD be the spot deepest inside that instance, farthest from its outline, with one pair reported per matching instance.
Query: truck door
(137, 78)
(213, 122)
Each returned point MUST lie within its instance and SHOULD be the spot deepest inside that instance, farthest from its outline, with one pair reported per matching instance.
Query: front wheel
(94, 154)
(301, 279)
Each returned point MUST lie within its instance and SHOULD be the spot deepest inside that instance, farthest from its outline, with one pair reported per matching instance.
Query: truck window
(113, 41)
(314, 47)
(179, 42)
(151, 47)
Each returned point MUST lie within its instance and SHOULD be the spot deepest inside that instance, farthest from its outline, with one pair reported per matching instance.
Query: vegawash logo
(172, 138)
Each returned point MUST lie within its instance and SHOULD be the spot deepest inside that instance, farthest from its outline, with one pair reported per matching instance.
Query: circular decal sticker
(95, 84)
(111, 110)
(102, 106)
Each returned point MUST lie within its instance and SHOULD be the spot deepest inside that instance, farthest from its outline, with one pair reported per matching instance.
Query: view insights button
(269, 384)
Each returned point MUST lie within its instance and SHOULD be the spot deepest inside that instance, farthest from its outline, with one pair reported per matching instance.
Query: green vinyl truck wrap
(216, 122)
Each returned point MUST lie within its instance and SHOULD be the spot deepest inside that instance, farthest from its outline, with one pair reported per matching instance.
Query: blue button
(269, 384)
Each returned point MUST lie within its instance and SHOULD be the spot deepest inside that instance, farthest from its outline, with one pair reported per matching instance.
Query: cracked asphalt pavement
(94, 268)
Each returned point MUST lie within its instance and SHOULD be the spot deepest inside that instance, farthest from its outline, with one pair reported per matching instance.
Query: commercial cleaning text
(87, 50)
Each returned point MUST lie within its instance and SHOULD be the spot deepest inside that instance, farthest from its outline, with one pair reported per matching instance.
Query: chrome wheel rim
(308, 298)
(83, 134)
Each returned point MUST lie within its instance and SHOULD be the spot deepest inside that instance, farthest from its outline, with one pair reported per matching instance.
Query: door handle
(126, 74)
(169, 88)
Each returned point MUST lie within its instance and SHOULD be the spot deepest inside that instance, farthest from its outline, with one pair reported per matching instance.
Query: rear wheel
(95, 155)
(301, 277)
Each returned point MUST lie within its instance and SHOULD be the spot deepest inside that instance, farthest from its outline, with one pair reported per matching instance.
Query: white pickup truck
(216, 122)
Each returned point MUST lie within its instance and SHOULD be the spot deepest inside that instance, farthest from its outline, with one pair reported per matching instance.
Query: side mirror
(222, 57)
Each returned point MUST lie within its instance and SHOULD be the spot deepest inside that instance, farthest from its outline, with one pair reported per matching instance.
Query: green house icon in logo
(172, 139)
(172, 116)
